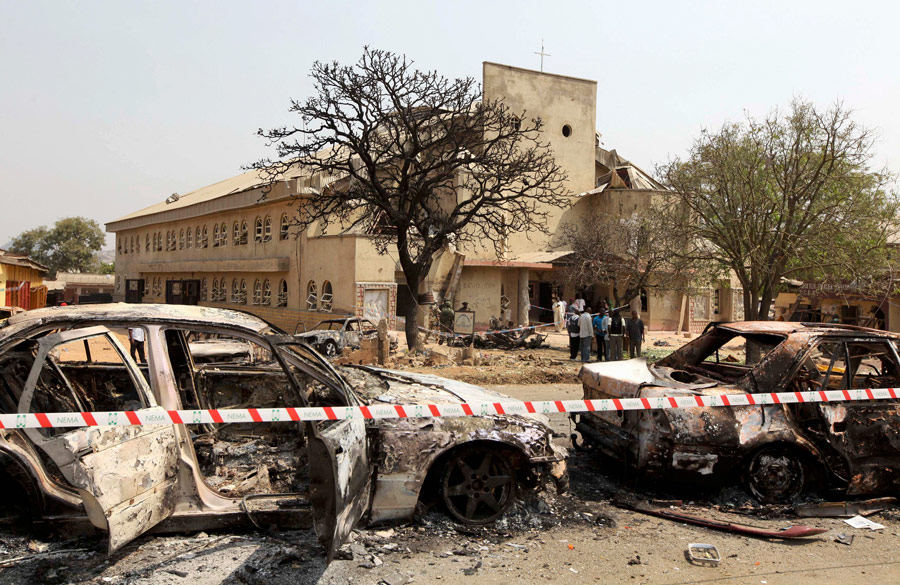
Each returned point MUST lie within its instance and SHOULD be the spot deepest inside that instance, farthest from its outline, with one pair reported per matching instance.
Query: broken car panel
(211, 476)
(780, 450)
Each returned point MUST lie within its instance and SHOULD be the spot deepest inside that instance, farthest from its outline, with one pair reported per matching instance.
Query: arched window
(224, 235)
(267, 229)
(205, 238)
(244, 232)
(258, 235)
(236, 234)
(168, 240)
(326, 296)
(181, 239)
(267, 292)
(235, 291)
(159, 241)
(282, 293)
(285, 226)
(203, 284)
(154, 242)
(223, 291)
(190, 238)
(131, 246)
(257, 292)
(216, 236)
(312, 296)
(215, 289)
(137, 244)
(146, 243)
(243, 299)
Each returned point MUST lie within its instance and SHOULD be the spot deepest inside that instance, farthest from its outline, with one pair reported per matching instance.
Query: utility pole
(542, 54)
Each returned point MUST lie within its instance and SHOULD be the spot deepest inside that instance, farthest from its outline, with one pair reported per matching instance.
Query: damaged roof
(20, 260)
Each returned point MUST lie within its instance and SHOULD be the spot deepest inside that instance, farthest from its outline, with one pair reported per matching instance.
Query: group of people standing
(607, 327)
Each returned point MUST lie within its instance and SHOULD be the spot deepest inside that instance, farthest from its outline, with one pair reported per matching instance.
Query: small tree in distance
(71, 245)
(422, 161)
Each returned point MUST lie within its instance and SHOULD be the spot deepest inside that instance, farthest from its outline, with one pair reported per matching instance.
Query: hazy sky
(107, 107)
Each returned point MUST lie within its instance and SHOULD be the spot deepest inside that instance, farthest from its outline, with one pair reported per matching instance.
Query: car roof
(788, 327)
(135, 313)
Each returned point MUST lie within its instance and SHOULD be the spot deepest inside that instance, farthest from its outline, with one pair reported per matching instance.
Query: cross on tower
(542, 54)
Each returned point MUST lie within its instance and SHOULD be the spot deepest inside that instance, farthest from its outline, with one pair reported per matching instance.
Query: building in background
(22, 282)
(78, 288)
(223, 245)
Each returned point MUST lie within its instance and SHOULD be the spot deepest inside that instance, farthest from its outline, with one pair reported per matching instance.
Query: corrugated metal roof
(19, 260)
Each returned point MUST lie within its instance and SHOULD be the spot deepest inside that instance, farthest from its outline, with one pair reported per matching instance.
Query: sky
(108, 107)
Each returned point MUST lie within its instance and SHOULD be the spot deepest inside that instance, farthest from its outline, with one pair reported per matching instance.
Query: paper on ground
(860, 522)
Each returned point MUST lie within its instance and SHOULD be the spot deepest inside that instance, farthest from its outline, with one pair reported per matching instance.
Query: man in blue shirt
(601, 331)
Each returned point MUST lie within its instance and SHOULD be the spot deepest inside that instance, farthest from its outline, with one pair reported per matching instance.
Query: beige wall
(342, 261)
(558, 101)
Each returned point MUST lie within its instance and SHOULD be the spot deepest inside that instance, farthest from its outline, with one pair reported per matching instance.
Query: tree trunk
(412, 326)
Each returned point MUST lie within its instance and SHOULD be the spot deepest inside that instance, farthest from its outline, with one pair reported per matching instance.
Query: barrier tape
(158, 416)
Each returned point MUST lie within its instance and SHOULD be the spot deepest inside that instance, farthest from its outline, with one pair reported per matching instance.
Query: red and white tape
(159, 416)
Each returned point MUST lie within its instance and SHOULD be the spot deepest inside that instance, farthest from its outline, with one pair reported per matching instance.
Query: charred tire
(330, 348)
(478, 484)
(776, 474)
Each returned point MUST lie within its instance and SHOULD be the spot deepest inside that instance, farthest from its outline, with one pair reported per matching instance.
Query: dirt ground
(581, 537)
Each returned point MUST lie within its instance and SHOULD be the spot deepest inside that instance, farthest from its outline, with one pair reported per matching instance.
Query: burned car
(331, 336)
(332, 474)
(779, 450)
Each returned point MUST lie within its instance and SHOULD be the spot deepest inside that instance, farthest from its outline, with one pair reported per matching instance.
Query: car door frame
(340, 466)
(124, 503)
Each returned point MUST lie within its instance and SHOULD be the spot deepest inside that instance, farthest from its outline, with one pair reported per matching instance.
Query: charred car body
(780, 450)
(131, 479)
(331, 336)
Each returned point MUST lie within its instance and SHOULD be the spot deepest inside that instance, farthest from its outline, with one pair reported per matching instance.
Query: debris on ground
(705, 555)
(844, 509)
(863, 522)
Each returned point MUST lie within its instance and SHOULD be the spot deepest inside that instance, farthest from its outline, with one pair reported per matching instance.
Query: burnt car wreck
(778, 450)
(332, 336)
(333, 474)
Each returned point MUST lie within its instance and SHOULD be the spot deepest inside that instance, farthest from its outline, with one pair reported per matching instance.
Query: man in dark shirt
(634, 328)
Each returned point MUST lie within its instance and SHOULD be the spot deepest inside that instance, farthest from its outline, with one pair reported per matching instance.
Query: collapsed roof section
(615, 172)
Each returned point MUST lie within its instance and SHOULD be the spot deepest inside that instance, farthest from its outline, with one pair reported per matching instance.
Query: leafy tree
(71, 245)
(791, 195)
(421, 162)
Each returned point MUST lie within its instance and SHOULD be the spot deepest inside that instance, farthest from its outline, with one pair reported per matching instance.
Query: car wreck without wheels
(778, 450)
(333, 474)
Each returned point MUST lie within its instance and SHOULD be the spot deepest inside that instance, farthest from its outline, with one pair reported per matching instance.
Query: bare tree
(791, 195)
(422, 161)
(630, 254)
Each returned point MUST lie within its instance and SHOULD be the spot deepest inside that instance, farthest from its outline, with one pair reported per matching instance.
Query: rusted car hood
(620, 379)
(624, 379)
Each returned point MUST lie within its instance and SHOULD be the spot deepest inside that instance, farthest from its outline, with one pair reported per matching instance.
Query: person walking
(635, 330)
(574, 332)
(616, 332)
(601, 331)
(136, 340)
(559, 315)
(585, 334)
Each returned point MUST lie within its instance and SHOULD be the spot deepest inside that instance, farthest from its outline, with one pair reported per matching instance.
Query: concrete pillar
(524, 300)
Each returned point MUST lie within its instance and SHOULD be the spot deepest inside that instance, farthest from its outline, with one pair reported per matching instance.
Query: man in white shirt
(579, 303)
(585, 333)
(136, 338)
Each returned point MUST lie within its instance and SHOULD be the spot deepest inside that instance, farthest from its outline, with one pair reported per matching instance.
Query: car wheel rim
(477, 486)
(775, 476)
(330, 349)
